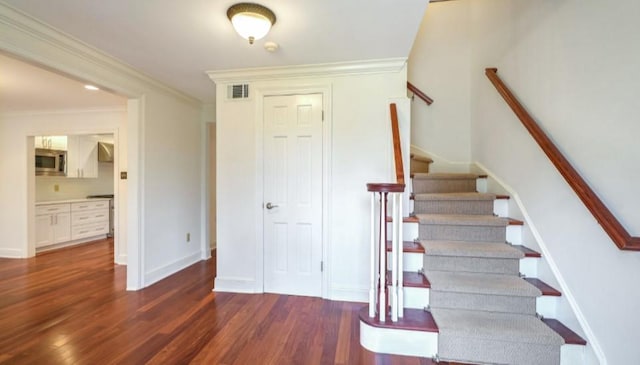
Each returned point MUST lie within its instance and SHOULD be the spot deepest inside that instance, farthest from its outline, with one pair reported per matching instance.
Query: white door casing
(293, 141)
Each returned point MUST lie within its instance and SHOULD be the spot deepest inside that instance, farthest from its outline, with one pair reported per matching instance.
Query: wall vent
(238, 91)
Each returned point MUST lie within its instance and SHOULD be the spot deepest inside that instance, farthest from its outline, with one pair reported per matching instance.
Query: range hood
(105, 152)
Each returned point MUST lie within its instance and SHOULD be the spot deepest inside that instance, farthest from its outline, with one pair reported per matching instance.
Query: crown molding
(27, 37)
(379, 66)
(23, 113)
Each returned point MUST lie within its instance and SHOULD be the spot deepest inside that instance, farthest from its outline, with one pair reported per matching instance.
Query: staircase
(470, 296)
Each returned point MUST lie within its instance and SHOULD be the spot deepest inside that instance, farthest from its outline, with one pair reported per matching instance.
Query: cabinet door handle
(51, 220)
(56, 220)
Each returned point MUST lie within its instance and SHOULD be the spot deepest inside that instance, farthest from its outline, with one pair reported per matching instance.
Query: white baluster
(383, 257)
(374, 245)
(394, 258)
(400, 261)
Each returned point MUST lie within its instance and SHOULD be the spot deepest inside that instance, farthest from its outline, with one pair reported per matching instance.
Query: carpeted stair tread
(465, 196)
(462, 220)
(420, 158)
(471, 249)
(444, 176)
(480, 283)
(504, 327)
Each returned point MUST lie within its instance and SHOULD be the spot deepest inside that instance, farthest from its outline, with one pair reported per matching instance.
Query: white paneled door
(293, 194)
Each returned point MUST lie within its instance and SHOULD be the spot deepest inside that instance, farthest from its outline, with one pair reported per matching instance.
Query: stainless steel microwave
(51, 162)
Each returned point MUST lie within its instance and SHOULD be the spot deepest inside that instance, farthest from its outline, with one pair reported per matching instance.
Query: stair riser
(472, 264)
(417, 298)
(482, 302)
(421, 186)
(573, 354)
(419, 166)
(497, 352)
(409, 230)
(529, 267)
(475, 207)
(462, 233)
(547, 306)
(412, 261)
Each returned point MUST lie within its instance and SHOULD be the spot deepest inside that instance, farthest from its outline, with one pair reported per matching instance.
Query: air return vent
(238, 91)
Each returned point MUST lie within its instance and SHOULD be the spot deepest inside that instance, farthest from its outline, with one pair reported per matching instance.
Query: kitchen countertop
(48, 202)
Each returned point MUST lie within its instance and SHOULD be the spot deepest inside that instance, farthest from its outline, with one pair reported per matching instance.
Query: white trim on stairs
(564, 288)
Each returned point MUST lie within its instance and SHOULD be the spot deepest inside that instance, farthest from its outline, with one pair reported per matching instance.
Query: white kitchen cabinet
(51, 142)
(53, 224)
(90, 218)
(72, 222)
(82, 156)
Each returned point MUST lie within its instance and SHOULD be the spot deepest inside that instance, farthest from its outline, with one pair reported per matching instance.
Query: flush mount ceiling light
(251, 21)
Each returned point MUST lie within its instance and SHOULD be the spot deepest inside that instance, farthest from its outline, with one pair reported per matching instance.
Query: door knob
(270, 206)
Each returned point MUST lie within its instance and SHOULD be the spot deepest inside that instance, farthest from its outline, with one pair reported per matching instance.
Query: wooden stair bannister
(381, 298)
(601, 213)
(417, 92)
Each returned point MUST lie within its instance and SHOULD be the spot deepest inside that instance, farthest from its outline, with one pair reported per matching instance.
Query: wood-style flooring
(70, 307)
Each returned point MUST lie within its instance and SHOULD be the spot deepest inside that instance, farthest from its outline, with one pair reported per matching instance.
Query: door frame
(291, 89)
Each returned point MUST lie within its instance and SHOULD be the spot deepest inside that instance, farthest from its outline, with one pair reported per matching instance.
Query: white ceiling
(24, 87)
(177, 41)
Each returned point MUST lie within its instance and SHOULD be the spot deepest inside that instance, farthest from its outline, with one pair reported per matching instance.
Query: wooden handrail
(601, 213)
(419, 93)
(397, 147)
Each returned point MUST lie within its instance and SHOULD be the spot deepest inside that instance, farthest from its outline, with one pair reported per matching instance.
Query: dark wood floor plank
(70, 306)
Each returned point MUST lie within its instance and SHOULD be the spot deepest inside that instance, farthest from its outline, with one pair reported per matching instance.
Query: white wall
(443, 127)
(360, 152)
(171, 189)
(163, 152)
(573, 64)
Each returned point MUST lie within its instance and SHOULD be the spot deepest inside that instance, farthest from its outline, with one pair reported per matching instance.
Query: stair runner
(485, 312)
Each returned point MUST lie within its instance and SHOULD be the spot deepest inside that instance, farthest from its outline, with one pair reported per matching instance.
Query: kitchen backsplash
(75, 188)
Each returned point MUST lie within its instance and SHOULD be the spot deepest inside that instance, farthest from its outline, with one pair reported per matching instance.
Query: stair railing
(600, 212)
(417, 92)
(386, 290)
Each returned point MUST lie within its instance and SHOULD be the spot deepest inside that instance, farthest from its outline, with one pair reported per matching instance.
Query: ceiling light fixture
(251, 21)
(91, 87)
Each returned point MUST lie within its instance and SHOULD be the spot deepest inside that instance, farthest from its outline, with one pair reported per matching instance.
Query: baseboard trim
(160, 273)
(11, 253)
(347, 294)
(441, 164)
(592, 341)
(398, 342)
(234, 285)
(121, 260)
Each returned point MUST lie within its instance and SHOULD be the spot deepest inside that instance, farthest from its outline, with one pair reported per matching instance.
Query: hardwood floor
(70, 307)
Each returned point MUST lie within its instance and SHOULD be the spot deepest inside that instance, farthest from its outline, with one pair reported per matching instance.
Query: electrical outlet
(188, 237)
(56, 187)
